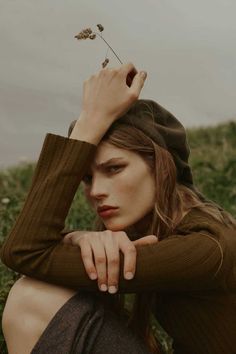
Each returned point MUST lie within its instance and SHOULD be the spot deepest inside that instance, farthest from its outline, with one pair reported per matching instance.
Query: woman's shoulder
(199, 222)
(199, 219)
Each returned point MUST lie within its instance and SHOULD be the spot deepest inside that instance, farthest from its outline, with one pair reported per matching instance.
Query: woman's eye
(87, 179)
(114, 168)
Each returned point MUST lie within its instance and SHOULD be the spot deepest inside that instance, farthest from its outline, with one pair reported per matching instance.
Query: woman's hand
(107, 96)
(100, 254)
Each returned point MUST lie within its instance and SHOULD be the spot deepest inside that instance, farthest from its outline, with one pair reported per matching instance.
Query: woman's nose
(98, 189)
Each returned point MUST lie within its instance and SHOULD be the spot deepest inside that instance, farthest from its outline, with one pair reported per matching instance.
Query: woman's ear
(71, 128)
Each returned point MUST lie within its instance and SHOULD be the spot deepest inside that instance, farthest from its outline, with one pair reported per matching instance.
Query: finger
(138, 83)
(87, 257)
(108, 69)
(72, 238)
(128, 71)
(130, 77)
(150, 239)
(130, 254)
(67, 239)
(105, 71)
(113, 265)
(100, 263)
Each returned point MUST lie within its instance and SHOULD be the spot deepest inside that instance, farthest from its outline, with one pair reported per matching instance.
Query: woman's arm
(35, 240)
(34, 246)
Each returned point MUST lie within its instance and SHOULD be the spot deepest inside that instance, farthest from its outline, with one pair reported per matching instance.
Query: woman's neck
(139, 229)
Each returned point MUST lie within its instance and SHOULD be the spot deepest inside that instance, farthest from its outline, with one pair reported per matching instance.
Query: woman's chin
(133, 228)
(115, 226)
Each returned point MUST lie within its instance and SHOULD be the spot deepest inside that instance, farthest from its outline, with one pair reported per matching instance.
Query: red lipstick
(106, 210)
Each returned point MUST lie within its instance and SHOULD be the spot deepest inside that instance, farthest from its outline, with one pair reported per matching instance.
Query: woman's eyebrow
(113, 159)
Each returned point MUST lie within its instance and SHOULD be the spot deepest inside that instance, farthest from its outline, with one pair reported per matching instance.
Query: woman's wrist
(90, 128)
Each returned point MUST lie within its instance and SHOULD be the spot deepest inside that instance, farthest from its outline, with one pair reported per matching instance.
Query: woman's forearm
(34, 245)
(90, 128)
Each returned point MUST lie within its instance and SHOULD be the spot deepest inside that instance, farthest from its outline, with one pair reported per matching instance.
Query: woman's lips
(108, 212)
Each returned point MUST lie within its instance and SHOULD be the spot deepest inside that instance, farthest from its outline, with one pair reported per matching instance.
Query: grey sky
(187, 48)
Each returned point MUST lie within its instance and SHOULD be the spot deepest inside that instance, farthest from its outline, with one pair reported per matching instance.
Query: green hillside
(213, 160)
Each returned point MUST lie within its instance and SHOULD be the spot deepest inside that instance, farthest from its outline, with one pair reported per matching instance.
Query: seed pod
(92, 36)
(79, 36)
(100, 27)
(86, 35)
(106, 61)
(88, 30)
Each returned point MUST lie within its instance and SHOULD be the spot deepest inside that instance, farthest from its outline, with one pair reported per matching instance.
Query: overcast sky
(187, 48)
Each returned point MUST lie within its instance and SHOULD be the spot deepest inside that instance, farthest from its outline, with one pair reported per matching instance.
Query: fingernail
(93, 276)
(143, 74)
(112, 289)
(129, 275)
(103, 287)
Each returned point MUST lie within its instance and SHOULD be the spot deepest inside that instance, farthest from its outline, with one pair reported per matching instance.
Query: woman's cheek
(126, 183)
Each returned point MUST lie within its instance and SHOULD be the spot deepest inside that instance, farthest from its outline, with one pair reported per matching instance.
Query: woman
(132, 155)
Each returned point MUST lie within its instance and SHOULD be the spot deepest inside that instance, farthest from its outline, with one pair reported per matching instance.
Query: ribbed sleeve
(34, 246)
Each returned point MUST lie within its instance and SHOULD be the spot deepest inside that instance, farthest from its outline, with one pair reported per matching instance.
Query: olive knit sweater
(192, 272)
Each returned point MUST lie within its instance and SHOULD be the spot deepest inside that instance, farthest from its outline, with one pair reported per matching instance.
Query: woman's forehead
(105, 149)
(107, 153)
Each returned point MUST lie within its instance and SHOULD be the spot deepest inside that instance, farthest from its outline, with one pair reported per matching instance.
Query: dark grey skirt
(83, 326)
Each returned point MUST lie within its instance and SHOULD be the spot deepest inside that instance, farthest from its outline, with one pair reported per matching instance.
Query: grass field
(213, 160)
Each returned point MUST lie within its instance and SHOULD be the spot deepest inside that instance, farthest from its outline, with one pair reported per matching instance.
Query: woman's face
(119, 178)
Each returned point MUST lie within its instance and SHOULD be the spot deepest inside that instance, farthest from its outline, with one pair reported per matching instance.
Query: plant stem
(109, 47)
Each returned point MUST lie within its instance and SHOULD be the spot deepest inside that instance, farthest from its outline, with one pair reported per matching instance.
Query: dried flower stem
(88, 33)
(109, 47)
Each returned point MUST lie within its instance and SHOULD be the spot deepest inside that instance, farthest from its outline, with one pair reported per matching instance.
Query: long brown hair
(173, 201)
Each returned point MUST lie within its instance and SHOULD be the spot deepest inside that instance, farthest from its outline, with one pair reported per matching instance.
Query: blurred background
(187, 48)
